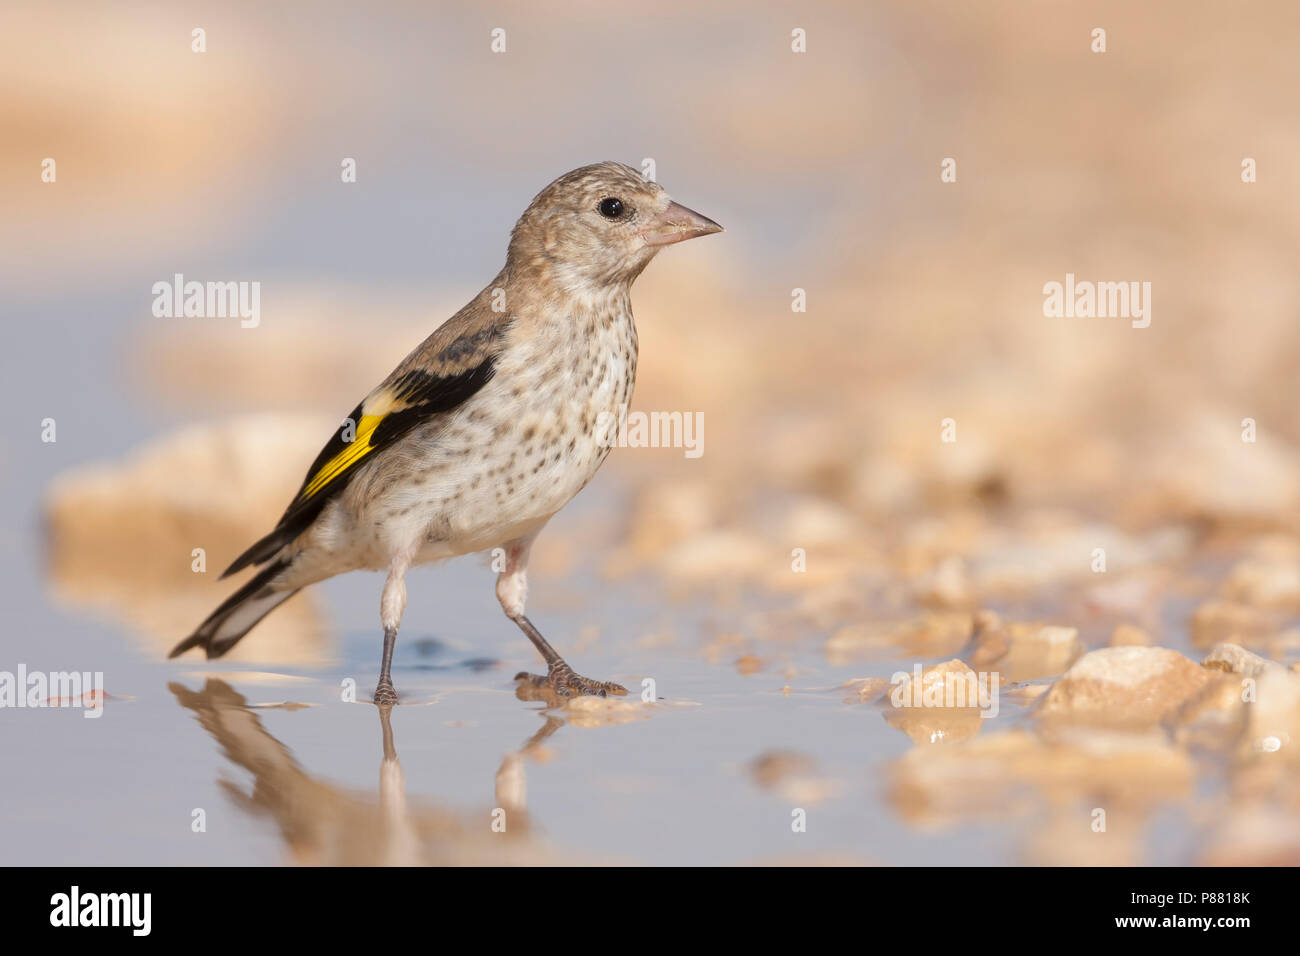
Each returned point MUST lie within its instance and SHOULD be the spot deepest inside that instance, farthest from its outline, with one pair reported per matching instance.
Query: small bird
(487, 429)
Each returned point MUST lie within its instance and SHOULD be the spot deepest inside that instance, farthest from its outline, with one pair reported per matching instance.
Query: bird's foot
(562, 682)
(385, 694)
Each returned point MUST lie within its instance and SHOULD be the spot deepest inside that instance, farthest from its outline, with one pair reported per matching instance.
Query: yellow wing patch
(356, 450)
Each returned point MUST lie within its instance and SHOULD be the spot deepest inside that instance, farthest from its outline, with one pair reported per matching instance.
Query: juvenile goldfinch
(488, 428)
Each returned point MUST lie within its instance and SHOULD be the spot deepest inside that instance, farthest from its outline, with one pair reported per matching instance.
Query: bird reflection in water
(323, 823)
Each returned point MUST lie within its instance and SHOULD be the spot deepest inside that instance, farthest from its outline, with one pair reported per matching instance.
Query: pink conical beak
(677, 224)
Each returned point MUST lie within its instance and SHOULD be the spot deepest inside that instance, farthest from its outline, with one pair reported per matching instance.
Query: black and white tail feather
(452, 365)
(238, 614)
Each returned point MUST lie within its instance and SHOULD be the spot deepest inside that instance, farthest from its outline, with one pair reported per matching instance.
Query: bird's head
(599, 226)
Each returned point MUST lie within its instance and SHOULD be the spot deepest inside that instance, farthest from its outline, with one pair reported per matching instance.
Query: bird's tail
(238, 614)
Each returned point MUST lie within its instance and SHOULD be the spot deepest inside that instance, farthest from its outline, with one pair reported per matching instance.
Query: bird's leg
(391, 606)
(385, 693)
(512, 592)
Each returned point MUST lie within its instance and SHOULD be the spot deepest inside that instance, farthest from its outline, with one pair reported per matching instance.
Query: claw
(561, 683)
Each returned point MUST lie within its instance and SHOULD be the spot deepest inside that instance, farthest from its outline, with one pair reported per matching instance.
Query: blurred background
(822, 427)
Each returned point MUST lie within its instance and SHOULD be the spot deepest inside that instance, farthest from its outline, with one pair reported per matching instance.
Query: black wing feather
(421, 395)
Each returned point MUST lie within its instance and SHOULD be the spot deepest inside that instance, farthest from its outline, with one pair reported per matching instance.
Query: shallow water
(672, 784)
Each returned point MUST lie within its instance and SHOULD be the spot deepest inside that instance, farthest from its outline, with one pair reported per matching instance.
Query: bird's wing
(457, 360)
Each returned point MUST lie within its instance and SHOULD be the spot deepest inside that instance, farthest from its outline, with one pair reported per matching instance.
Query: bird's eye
(611, 208)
